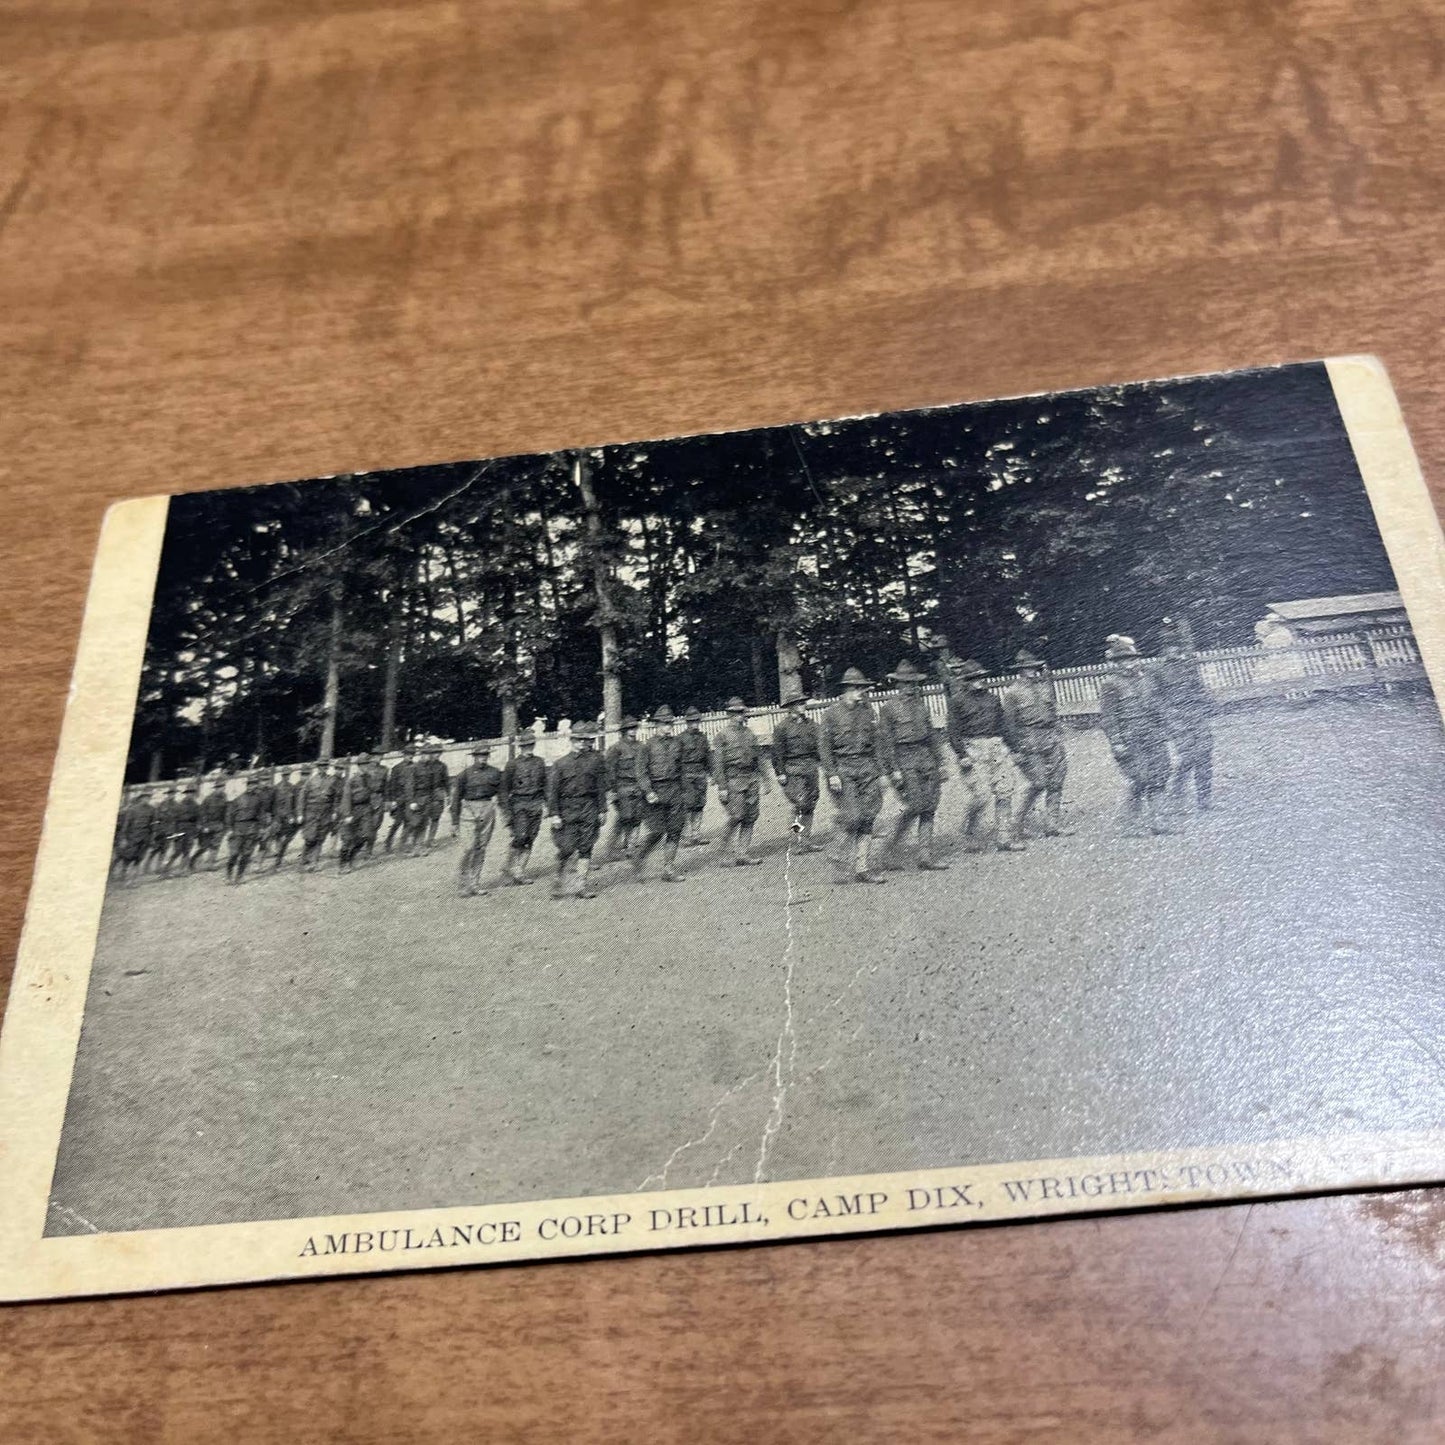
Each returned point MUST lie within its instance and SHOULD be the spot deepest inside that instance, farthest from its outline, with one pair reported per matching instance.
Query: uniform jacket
(248, 810)
(319, 796)
(851, 738)
(577, 785)
(1031, 717)
(476, 783)
(795, 744)
(659, 760)
(622, 765)
(1181, 687)
(909, 738)
(524, 779)
(695, 751)
(213, 809)
(186, 815)
(973, 715)
(432, 775)
(1131, 709)
(736, 754)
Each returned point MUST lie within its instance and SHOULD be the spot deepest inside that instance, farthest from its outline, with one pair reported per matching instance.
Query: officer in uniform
(1036, 739)
(850, 744)
(474, 794)
(318, 813)
(577, 804)
(626, 792)
(523, 800)
(246, 822)
(913, 756)
(359, 800)
(975, 733)
(795, 762)
(1188, 714)
(185, 825)
(696, 765)
(659, 775)
(741, 773)
(401, 794)
(286, 820)
(376, 777)
(1131, 710)
(211, 823)
(435, 785)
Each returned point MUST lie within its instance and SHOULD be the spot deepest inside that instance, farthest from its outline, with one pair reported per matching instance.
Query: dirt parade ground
(312, 1045)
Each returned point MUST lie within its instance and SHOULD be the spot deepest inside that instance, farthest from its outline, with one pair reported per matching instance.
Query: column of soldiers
(1155, 714)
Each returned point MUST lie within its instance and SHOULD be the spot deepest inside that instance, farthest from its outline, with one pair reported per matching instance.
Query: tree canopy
(457, 600)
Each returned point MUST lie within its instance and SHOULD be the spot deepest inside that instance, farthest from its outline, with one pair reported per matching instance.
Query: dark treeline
(460, 600)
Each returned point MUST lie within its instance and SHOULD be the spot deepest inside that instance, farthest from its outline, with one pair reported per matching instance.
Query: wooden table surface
(253, 239)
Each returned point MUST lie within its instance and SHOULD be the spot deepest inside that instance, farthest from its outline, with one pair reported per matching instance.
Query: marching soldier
(1036, 739)
(474, 797)
(1188, 713)
(434, 785)
(376, 776)
(851, 748)
(246, 822)
(138, 824)
(1131, 710)
(659, 775)
(976, 735)
(696, 755)
(358, 800)
(211, 824)
(266, 786)
(795, 763)
(185, 825)
(286, 820)
(523, 800)
(577, 803)
(401, 793)
(318, 814)
(913, 756)
(741, 773)
(626, 792)
(160, 839)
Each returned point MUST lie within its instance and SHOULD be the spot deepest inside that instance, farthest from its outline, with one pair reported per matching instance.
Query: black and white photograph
(1055, 778)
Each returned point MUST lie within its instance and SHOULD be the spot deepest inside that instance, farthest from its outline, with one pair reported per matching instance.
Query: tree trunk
(332, 696)
(509, 717)
(601, 586)
(760, 672)
(391, 680)
(790, 666)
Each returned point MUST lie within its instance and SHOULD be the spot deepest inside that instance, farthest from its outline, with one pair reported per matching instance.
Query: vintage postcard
(977, 813)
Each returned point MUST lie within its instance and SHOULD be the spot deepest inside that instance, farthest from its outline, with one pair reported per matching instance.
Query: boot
(730, 846)
(805, 835)
(559, 888)
(1054, 825)
(1004, 839)
(893, 853)
(669, 873)
(973, 840)
(744, 858)
(927, 863)
(863, 869)
(842, 858)
(1154, 811)
(584, 889)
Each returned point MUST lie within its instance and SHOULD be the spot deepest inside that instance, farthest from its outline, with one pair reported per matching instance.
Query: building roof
(1349, 605)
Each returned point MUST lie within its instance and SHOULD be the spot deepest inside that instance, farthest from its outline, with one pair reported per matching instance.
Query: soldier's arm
(599, 775)
(825, 752)
(887, 743)
(777, 752)
(765, 767)
(644, 774)
(552, 789)
(716, 763)
(1109, 716)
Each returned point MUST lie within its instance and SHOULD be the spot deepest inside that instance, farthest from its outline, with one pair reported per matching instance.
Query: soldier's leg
(482, 839)
(565, 839)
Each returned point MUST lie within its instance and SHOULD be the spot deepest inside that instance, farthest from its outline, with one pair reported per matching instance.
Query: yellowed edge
(42, 1026)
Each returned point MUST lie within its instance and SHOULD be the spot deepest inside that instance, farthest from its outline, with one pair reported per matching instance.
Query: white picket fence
(1337, 663)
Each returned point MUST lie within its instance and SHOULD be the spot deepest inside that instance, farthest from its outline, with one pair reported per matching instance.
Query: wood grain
(242, 240)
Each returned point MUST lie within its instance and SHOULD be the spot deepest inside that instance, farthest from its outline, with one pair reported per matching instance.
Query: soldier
(659, 775)
(1188, 713)
(286, 818)
(211, 825)
(433, 787)
(359, 799)
(975, 733)
(400, 793)
(377, 777)
(577, 804)
(138, 820)
(913, 756)
(741, 772)
(795, 762)
(318, 813)
(160, 839)
(696, 755)
(246, 822)
(185, 825)
(474, 793)
(850, 745)
(1036, 739)
(1131, 710)
(626, 792)
(523, 800)
(266, 786)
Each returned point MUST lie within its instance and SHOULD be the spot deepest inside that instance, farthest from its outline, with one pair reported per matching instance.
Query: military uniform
(376, 777)
(795, 761)
(626, 791)
(985, 770)
(577, 803)
(913, 757)
(738, 770)
(286, 817)
(160, 840)
(407, 816)
(211, 824)
(1036, 739)
(318, 814)
(359, 800)
(474, 797)
(850, 744)
(1188, 713)
(433, 783)
(523, 800)
(246, 822)
(696, 762)
(138, 825)
(659, 774)
(185, 825)
(1131, 711)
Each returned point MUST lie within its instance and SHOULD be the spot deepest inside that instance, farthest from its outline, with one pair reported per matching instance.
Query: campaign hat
(735, 704)
(628, 722)
(480, 750)
(527, 740)
(906, 672)
(584, 730)
(692, 715)
(664, 714)
(853, 677)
